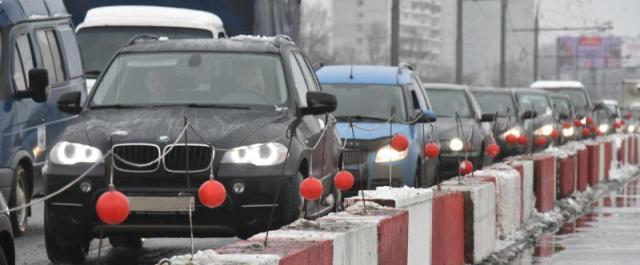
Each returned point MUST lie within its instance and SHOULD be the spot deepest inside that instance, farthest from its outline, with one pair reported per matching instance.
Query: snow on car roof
(556, 84)
(131, 15)
(609, 102)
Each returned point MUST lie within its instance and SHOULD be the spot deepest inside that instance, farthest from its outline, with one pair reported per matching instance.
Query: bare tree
(376, 40)
(314, 33)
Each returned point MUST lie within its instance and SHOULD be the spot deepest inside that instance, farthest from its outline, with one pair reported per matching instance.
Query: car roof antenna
(351, 68)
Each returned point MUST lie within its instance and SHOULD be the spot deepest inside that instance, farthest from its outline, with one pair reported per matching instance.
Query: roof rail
(404, 65)
(144, 37)
(280, 39)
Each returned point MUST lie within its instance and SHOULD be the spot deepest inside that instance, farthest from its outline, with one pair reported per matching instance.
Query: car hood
(447, 128)
(224, 128)
(372, 130)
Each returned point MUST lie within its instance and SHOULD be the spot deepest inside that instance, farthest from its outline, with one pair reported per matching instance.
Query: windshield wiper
(361, 117)
(117, 106)
(216, 106)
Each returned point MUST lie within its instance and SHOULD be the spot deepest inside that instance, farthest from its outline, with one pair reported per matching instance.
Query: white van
(106, 29)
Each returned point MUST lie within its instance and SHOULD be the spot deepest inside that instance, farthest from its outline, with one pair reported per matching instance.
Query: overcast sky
(624, 14)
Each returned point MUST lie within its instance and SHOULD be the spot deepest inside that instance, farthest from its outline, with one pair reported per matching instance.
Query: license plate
(161, 204)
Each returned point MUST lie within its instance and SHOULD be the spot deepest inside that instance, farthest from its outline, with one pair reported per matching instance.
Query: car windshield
(192, 78)
(535, 102)
(447, 102)
(562, 105)
(612, 109)
(99, 44)
(371, 101)
(496, 103)
(578, 97)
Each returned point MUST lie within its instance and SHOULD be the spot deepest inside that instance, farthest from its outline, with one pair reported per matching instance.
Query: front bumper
(370, 174)
(74, 210)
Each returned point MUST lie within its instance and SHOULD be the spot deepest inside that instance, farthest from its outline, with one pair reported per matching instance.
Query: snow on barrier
(418, 202)
(508, 196)
(527, 197)
(594, 163)
(447, 240)
(545, 182)
(479, 217)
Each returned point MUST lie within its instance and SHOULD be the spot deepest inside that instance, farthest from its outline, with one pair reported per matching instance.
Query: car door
(424, 133)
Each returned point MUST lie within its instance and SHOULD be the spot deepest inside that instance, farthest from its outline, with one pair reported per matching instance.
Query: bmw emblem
(163, 138)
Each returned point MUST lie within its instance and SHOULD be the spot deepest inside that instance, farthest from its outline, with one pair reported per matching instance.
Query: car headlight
(568, 132)
(513, 131)
(456, 144)
(631, 128)
(66, 153)
(387, 154)
(603, 128)
(545, 130)
(584, 121)
(269, 154)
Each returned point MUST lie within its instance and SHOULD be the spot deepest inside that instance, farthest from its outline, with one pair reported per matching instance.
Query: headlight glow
(268, 154)
(568, 132)
(66, 153)
(631, 128)
(456, 144)
(387, 154)
(545, 130)
(603, 128)
(584, 121)
(515, 131)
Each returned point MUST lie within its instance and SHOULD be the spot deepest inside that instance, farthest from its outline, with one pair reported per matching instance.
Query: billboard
(589, 52)
(631, 52)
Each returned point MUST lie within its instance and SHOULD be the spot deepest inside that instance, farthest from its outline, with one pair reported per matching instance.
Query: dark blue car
(40, 61)
(366, 97)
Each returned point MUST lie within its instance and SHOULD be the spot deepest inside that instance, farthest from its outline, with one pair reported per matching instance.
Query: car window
(562, 105)
(50, 52)
(71, 51)
(536, 102)
(219, 78)
(309, 76)
(23, 62)
(446, 103)
(368, 100)
(578, 97)
(496, 103)
(300, 82)
(422, 97)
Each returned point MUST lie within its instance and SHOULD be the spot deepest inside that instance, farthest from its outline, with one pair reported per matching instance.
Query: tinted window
(562, 105)
(99, 44)
(578, 97)
(198, 78)
(300, 82)
(71, 51)
(447, 102)
(496, 103)
(368, 100)
(312, 84)
(536, 102)
(23, 62)
(50, 55)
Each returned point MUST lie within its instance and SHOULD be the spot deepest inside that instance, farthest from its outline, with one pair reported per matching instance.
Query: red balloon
(629, 115)
(540, 140)
(555, 134)
(566, 125)
(311, 188)
(212, 193)
(112, 207)
(466, 167)
(622, 123)
(344, 180)
(589, 120)
(586, 132)
(578, 123)
(493, 150)
(399, 142)
(511, 139)
(523, 139)
(432, 150)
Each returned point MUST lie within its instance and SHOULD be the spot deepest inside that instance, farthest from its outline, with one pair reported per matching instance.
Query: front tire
(19, 197)
(61, 249)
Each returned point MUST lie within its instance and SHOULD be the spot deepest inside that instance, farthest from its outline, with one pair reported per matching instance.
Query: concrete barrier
(608, 158)
(479, 217)
(447, 242)
(285, 251)
(567, 175)
(508, 196)
(418, 202)
(583, 170)
(594, 163)
(545, 182)
(527, 199)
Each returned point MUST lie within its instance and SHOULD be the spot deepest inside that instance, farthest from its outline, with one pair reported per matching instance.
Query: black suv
(257, 123)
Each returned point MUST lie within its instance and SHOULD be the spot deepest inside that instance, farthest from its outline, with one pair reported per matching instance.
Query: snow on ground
(210, 257)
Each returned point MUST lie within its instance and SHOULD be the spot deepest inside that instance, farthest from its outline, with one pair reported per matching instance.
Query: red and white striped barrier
(447, 241)
(508, 196)
(594, 163)
(528, 198)
(545, 182)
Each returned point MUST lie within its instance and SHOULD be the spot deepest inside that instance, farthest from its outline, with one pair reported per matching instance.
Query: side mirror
(38, 84)
(427, 116)
(488, 117)
(563, 116)
(598, 106)
(615, 116)
(70, 102)
(319, 103)
(529, 114)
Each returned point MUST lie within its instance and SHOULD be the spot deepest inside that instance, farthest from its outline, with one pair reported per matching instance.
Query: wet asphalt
(609, 234)
(30, 248)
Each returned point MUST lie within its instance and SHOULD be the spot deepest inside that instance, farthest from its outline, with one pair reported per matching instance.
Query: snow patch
(210, 257)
